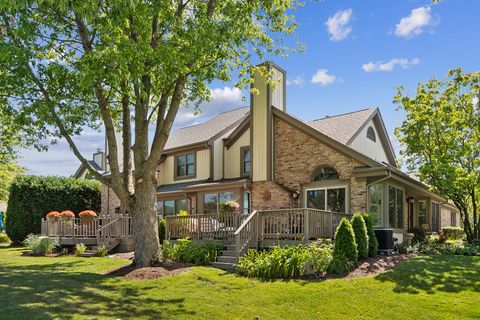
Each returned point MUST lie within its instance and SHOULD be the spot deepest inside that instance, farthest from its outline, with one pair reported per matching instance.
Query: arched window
(371, 134)
(325, 173)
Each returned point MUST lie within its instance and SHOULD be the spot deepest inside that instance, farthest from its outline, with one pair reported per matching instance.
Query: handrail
(103, 230)
(246, 234)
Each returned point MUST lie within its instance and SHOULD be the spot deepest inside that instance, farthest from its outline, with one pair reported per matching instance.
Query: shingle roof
(343, 126)
(205, 131)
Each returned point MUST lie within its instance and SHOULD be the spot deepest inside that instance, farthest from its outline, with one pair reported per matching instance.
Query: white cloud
(414, 24)
(323, 78)
(298, 81)
(338, 25)
(221, 99)
(390, 65)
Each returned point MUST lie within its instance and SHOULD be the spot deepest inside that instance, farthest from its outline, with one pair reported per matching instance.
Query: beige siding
(232, 156)
(368, 147)
(277, 92)
(259, 127)
(218, 159)
(167, 168)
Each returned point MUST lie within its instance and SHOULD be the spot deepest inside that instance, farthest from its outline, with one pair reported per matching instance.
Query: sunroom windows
(386, 205)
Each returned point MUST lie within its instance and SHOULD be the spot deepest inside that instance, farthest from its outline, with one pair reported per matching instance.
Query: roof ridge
(343, 114)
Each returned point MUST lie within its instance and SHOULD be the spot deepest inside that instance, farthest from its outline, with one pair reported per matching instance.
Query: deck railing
(203, 226)
(246, 235)
(78, 228)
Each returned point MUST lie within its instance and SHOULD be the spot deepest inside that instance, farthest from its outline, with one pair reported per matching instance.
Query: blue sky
(357, 53)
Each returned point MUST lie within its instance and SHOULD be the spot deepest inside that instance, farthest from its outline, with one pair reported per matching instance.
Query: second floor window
(246, 160)
(185, 165)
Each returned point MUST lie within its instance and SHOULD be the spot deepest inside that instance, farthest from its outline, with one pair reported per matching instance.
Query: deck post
(331, 225)
(305, 225)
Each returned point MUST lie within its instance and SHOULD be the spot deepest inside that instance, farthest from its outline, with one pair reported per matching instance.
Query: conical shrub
(361, 237)
(345, 244)
(372, 238)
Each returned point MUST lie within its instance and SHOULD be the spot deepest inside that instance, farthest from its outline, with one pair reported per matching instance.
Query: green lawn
(72, 288)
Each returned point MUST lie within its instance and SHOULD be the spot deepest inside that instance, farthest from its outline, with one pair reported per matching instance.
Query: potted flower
(52, 226)
(67, 215)
(230, 206)
(87, 215)
(53, 216)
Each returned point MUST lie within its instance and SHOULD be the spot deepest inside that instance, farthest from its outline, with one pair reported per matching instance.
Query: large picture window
(422, 212)
(330, 199)
(171, 207)
(395, 207)
(435, 216)
(375, 195)
(185, 166)
(212, 201)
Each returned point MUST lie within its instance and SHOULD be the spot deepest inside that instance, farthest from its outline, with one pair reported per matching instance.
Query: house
(292, 180)
(265, 159)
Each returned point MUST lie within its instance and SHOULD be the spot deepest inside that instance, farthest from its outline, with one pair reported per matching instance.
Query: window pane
(399, 217)
(246, 202)
(169, 207)
(190, 170)
(392, 214)
(210, 203)
(375, 204)
(246, 155)
(325, 173)
(435, 216)
(181, 160)
(336, 200)
(191, 158)
(422, 212)
(180, 205)
(181, 171)
(160, 207)
(246, 167)
(316, 199)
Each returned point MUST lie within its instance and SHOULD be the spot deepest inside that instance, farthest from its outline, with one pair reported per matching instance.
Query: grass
(440, 287)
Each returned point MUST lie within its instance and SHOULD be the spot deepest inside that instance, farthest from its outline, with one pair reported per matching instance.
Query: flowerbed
(184, 250)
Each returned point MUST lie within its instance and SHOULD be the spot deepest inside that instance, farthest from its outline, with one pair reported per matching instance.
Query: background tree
(441, 137)
(128, 66)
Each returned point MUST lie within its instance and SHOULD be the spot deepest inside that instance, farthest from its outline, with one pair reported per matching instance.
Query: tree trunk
(145, 226)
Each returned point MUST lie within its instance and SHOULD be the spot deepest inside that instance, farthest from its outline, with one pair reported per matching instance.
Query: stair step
(227, 266)
(230, 247)
(231, 259)
(227, 253)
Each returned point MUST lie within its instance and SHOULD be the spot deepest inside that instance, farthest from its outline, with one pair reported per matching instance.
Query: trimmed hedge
(453, 233)
(372, 238)
(32, 197)
(361, 237)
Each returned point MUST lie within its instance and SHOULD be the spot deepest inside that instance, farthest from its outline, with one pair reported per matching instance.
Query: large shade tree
(127, 66)
(441, 139)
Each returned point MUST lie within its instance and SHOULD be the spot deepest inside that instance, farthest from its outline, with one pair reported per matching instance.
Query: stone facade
(110, 201)
(296, 157)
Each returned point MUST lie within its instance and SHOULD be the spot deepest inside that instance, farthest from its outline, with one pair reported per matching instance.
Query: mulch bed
(379, 264)
(149, 273)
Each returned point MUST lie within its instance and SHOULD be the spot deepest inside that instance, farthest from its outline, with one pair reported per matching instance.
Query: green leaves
(441, 135)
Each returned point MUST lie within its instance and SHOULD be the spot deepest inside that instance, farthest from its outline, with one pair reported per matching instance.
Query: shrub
(4, 238)
(419, 235)
(453, 233)
(31, 197)
(161, 230)
(340, 265)
(345, 244)
(40, 246)
(372, 238)
(361, 237)
(187, 252)
(286, 262)
(80, 249)
(457, 248)
(102, 251)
